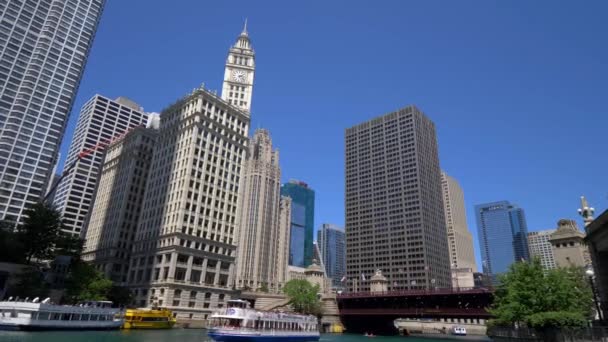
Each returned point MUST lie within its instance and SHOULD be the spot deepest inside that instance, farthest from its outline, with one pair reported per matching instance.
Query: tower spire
(245, 28)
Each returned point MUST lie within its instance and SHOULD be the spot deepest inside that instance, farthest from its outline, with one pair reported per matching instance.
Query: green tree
(120, 295)
(84, 282)
(68, 244)
(303, 296)
(39, 232)
(542, 299)
(264, 288)
(30, 283)
(11, 248)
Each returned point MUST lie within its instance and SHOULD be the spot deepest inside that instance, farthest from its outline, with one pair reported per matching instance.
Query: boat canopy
(238, 303)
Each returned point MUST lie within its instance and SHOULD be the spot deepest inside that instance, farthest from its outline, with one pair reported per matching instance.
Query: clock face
(239, 76)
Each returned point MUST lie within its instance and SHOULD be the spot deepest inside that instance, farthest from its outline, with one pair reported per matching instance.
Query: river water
(178, 335)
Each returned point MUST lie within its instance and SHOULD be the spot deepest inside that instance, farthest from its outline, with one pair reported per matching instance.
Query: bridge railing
(422, 292)
(412, 312)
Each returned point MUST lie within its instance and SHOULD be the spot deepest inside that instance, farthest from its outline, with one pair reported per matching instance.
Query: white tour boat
(239, 323)
(35, 315)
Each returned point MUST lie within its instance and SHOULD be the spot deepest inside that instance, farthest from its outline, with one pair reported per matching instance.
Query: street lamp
(591, 276)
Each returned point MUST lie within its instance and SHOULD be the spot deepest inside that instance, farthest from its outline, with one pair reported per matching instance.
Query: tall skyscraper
(263, 243)
(185, 248)
(302, 222)
(460, 240)
(101, 120)
(238, 75)
(44, 46)
(503, 236)
(332, 245)
(116, 207)
(394, 208)
(539, 245)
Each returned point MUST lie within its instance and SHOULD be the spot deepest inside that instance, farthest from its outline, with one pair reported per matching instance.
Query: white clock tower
(238, 76)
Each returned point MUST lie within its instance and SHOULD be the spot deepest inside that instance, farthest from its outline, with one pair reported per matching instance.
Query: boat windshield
(236, 303)
(226, 322)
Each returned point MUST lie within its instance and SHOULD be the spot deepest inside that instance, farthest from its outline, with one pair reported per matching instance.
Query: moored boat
(239, 323)
(35, 315)
(148, 319)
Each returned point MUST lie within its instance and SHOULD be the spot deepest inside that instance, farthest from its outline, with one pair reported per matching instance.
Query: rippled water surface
(178, 335)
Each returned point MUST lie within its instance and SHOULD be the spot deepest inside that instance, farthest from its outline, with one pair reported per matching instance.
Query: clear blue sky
(518, 90)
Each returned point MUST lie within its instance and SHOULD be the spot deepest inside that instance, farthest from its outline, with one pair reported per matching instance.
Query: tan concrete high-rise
(262, 245)
(394, 208)
(460, 239)
(116, 206)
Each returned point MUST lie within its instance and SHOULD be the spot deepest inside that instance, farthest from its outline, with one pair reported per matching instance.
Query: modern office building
(44, 46)
(116, 208)
(332, 246)
(503, 236)
(460, 239)
(539, 245)
(101, 120)
(569, 247)
(184, 253)
(263, 242)
(302, 222)
(394, 207)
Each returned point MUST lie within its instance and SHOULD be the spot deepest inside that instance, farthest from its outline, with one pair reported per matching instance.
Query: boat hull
(148, 325)
(236, 337)
(50, 328)
(30, 326)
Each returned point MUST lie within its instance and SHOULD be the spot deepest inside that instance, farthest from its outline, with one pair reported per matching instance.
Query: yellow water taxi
(148, 319)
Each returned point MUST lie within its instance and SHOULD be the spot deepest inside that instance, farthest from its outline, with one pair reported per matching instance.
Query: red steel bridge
(362, 312)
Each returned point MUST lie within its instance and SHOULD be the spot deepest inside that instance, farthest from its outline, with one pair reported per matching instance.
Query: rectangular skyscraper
(117, 203)
(302, 222)
(394, 208)
(539, 245)
(44, 46)
(100, 121)
(503, 236)
(460, 240)
(332, 245)
(185, 245)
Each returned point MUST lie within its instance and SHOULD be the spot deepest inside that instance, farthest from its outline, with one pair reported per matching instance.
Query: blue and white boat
(238, 323)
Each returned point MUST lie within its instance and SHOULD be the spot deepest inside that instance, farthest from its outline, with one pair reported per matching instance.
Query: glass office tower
(331, 240)
(302, 222)
(503, 236)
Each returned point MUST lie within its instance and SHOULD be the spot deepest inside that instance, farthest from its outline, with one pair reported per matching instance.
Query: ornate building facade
(263, 240)
(184, 253)
(569, 248)
(238, 75)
